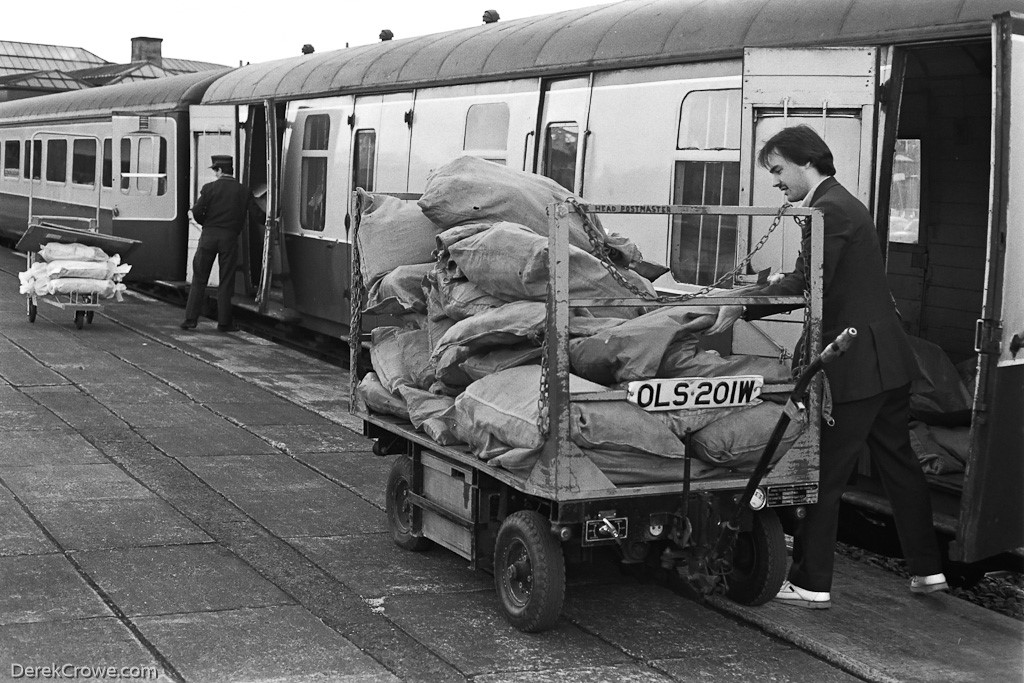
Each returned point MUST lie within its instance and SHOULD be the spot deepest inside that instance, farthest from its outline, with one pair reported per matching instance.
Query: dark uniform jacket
(224, 204)
(856, 294)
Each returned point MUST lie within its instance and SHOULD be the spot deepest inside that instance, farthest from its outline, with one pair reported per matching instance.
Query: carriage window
(108, 163)
(487, 127)
(83, 162)
(57, 160)
(363, 159)
(12, 158)
(707, 171)
(315, 142)
(161, 168)
(126, 164)
(704, 247)
(34, 159)
(905, 194)
(560, 154)
(710, 119)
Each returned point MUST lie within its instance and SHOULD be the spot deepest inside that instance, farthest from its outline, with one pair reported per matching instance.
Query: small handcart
(701, 535)
(41, 232)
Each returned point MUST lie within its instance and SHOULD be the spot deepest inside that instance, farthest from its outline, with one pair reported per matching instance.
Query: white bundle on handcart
(74, 269)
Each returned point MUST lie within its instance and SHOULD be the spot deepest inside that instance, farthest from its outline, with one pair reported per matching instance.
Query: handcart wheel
(32, 309)
(759, 561)
(529, 571)
(88, 316)
(79, 319)
(399, 508)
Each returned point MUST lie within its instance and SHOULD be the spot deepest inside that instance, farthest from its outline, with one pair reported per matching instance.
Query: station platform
(203, 503)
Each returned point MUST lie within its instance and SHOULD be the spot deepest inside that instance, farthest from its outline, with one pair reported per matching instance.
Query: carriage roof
(622, 34)
(172, 93)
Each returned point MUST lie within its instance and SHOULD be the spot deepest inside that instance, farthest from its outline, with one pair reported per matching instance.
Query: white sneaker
(791, 594)
(928, 584)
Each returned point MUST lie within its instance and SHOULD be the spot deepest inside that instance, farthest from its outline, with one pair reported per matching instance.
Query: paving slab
(233, 474)
(878, 629)
(360, 471)
(175, 414)
(313, 438)
(45, 587)
(310, 387)
(29, 448)
(61, 483)
(13, 397)
(176, 579)
(374, 567)
(91, 643)
(620, 673)
(783, 665)
(270, 644)
(146, 391)
(76, 408)
(119, 523)
(273, 411)
(478, 640)
(206, 439)
(28, 417)
(310, 512)
(21, 369)
(19, 534)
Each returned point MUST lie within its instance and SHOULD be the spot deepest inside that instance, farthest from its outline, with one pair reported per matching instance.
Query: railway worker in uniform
(221, 210)
(870, 383)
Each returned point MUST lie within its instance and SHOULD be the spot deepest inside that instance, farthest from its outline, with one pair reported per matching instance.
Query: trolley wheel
(759, 561)
(89, 316)
(79, 319)
(399, 508)
(32, 310)
(529, 571)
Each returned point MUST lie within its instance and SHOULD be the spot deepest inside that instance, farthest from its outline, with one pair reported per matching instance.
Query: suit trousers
(222, 245)
(878, 423)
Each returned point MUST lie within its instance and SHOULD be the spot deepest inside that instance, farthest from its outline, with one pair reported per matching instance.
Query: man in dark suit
(870, 383)
(222, 209)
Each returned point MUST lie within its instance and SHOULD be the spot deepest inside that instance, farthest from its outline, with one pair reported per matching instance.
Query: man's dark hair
(799, 144)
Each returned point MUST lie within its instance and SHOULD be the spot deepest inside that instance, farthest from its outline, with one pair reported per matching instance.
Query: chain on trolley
(600, 250)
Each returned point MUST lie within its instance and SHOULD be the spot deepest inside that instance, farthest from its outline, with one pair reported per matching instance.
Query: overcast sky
(228, 32)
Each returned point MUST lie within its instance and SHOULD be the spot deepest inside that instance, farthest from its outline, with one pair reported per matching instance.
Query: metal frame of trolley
(524, 530)
(44, 229)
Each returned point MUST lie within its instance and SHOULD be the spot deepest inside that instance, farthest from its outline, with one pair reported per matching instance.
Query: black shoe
(189, 325)
(227, 328)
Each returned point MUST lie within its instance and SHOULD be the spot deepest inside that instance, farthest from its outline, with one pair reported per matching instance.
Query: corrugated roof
(607, 36)
(16, 57)
(152, 95)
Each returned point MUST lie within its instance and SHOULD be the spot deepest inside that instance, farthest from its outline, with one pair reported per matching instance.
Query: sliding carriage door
(992, 506)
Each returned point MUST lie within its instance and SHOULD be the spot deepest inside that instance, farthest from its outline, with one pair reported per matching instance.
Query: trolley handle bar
(831, 352)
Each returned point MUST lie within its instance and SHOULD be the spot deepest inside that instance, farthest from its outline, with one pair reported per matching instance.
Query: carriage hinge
(987, 335)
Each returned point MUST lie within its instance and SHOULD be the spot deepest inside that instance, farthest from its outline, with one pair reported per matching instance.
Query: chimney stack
(147, 50)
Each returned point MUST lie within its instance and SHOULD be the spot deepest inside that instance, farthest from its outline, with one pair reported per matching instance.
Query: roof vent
(386, 34)
(491, 16)
(307, 49)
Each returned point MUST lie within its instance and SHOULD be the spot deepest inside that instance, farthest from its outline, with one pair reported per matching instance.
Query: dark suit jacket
(856, 294)
(225, 203)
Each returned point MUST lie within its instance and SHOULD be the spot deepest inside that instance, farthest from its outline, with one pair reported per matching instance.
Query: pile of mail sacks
(465, 271)
(74, 269)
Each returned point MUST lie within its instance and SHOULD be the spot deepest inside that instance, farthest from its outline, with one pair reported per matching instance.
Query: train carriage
(667, 102)
(117, 155)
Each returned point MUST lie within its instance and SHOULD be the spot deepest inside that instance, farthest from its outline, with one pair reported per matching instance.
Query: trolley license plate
(693, 393)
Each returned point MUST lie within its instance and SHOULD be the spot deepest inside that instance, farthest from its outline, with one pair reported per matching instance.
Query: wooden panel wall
(938, 283)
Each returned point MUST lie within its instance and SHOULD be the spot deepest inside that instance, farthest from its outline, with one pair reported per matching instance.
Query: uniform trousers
(878, 423)
(222, 245)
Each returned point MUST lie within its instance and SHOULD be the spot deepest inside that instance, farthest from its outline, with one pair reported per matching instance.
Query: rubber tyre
(759, 561)
(529, 572)
(79, 319)
(32, 309)
(399, 508)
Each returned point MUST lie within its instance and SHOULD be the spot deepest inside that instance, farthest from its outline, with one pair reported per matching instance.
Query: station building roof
(20, 58)
(622, 34)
